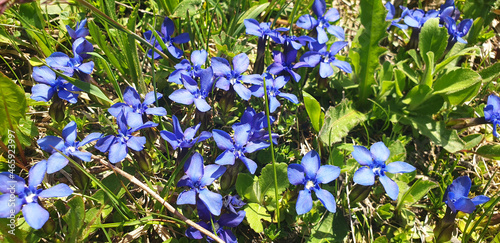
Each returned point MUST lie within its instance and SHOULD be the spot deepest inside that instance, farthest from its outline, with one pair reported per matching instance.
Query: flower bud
(49, 227)
(57, 108)
(359, 193)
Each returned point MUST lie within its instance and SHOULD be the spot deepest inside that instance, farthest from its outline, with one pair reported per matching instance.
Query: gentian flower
(25, 197)
(167, 29)
(184, 139)
(69, 66)
(295, 42)
(228, 77)
(273, 86)
(391, 14)
(283, 64)
(192, 93)
(323, 22)
(197, 178)
(456, 196)
(457, 32)
(225, 220)
(375, 160)
(80, 30)
(67, 145)
(261, 30)
(80, 47)
(198, 58)
(232, 203)
(236, 147)
(49, 84)
(492, 112)
(325, 60)
(118, 145)
(448, 9)
(417, 17)
(311, 174)
(258, 123)
(134, 109)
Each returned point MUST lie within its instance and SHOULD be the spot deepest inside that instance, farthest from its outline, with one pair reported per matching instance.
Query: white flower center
(29, 199)
(309, 185)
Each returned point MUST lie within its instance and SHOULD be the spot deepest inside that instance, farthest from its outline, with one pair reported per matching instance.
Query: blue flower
(167, 29)
(134, 109)
(80, 30)
(448, 9)
(192, 93)
(283, 64)
(197, 178)
(311, 174)
(456, 196)
(184, 139)
(392, 12)
(457, 32)
(67, 145)
(198, 58)
(258, 123)
(236, 147)
(69, 66)
(227, 77)
(417, 17)
(118, 145)
(19, 196)
(492, 112)
(225, 220)
(49, 84)
(323, 22)
(261, 30)
(375, 160)
(295, 42)
(325, 60)
(231, 203)
(273, 86)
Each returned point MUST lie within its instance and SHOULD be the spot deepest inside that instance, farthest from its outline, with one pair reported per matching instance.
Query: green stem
(272, 154)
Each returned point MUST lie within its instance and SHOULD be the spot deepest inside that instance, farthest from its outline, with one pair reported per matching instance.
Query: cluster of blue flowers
(448, 16)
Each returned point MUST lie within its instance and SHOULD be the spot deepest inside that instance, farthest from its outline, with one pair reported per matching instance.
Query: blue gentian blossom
(198, 59)
(417, 17)
(80, 30)
(283, 64)
(261, 30)
(273, 86)
(323, 22)
(457, 198)
(49, 84)
(197, 178)
(258, 124)
(295, 42)
(67, 145)
(232, 203)
(186, 139)
(448, 9)
(25, 197)
(135, 109)
(392, 13)
(166, 32)
(118, 145)
(236, 147)
(192, 94)
(492, 112)
(325, 59)
(375, 159)
(221, 228)
(80, 47)
(311, 174)
(457, 32)
(228, 77)
(69, 66)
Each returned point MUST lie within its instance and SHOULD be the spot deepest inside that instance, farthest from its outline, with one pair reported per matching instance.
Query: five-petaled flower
(323, 22)
(283, 64)
(455, 31)
(25, 197)
(197, 178)
(375, 160)
(325, 59)
(192, 93)
(67, 145)
(184, 139)
(49, 84)
(457, 198)
(273, 86)
(165, 33)
(311, 174)
(492, 112)
(198, 59)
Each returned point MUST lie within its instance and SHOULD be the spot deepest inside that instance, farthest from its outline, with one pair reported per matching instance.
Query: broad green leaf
(251, 13)
(313, 109)
(467, 51)
(332, 228)
(472, 140)
(433, 38)
(247, 186)
(12, 104)
(186, 5)
(490, 72)
(417, 95)
(339, 120)
(366, 51)
(437, 132)
(74, 218)
(266, 180)
(381, 239)
(458, 86)
(31, 18)
(418, 190)
(254, 214)
(491, 151)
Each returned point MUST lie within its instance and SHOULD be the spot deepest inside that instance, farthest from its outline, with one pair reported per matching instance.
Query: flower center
(309, 185)
(30, 198)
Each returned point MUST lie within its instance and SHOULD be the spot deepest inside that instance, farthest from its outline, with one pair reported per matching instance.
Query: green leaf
(490, 72)
(332, 228)
(247, 186)
(254, 214)
(417, 95)
(87, 87)
(251, 13)
(12, 103)
(432, 38)
(266, 180)
(437, 132)
(418, 190)
(491, 151)
(366, 51)
(313, 109)
(339, 120)
(186, 5)
(472, 140)
(74, 218)
(458, 86)
(449, 58)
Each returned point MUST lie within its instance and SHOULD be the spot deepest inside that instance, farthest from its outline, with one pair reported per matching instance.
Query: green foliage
(432, 39)
(266, 181)
(313, 109)
(12, 104)
(339, 120)
(254, 214)
(75, 218)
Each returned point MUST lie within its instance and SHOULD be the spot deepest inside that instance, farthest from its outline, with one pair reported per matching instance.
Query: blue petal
(182, 96)
(327, 173)
(131, 97)
(223, 83)
(167, 27)
(6, 181)
(194, 167)
(399, 167)
(461, 186)
(364, 176)
(193, 233)
(343, 65)
(332, 15)
(294, 75)
(252, 27)
(190, 132)
(177, 127)
(311, 163)
(322, 37)
(222, 139)
(310, 59)
(494, 101)
(336, 31)
(250, 164)
(85, 156)
(465, 205)
(362, 155)
(59, 190)
(117, 152)
(182, 38)
(232, 220)
(307, 22)
(296, 174)
(220, 66)
(206, 81)
(176, 52)
(273, 104)
(187, 197)
(136, 143)
(44, 75)
(291, 97)
(327, 199)
(35, 215)
(226, 158)
(199, 57)
(255, 146)
(42, 92)
(68, 96)
(391, 188)
(304, 202)
(240, 63)
(325, 70)
(56, 162)
(36, 174)
(69, 132)
(242, 91)
(86, 67)
(150, 98)
(241, 134)
(5, 208)
(211, 173)
(48, 144)
(212, 200)
(319, 7)
(480, 199)
(251, 79)
(104, 143)
(202, 105)
(90, 138)
(170, 138)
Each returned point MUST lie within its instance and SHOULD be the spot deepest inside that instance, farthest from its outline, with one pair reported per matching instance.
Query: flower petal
(232, 220)
(187, 197)
(380, 153)
(480, 199)
(7, 180)
(327, 199)
(399, 167)
(69, 132)
(194, 167)
(136, 143)
(296, 174)
(325, 69)
(226, 158)
(311, 163)
(90, 138)
(170, 138)
(8, 206)
(327, 173)
(202, 105)
(182, 96)
(241, 134)
(391, 188)
(56, 162)
(222, 139)
(36, 174)
(117, 152)
(35, 215)
(59, 190)
(199, 57)
(212, 200)
(250, 164)
(211, 173)
(465, 205)
(240, 63)
(150, 98)
(48, 144)
(364, 176)
(362, 155)
(304, 202)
